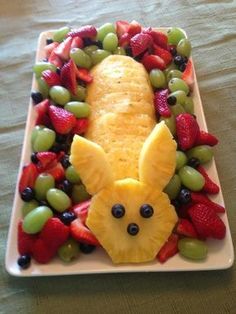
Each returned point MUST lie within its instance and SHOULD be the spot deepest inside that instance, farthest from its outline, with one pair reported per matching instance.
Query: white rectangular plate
(220, 256)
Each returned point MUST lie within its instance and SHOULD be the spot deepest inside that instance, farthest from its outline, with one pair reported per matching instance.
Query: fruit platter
(117, 172)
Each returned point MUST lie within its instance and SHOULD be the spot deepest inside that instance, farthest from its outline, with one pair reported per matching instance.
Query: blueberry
(86, 248)
(175, 203)
(128, 51)
(171, 100)
(67, 217)
(146, 211)
(178, 60)
(34, 158)
(67, 186)
(37, 97)
(182, 67)
(24, 261)
(173, 51)
(27, 194)
(118, 210)
(58, 71)
(61, 138)
(184, 196)
(49, 41)
(132, 229)
(194, 162)
(65, 161)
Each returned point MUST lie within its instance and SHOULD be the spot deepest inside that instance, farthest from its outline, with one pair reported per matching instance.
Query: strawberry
(158, 37)
(41, 252)
(57, 172)
(81, 233)
(206, 222)
(186, 228)
(81, 126)
(209, 186)
(198, 197)
(134, 28)
(169, 249)
(139, 43)
(63, 50)
(54, 233)
(77, 42)
(205, 138)
(62, 120)
(28, 176)
(84, 75)
(51, 78)
(187, 75)
(187, 130)
(49, 48)
(153, 62)
(160, 103)
(54, 59)
(68, 76)
(163, 53)
(25, 241)
(87, 31)
(46, 160)
(121, 28)
(124, 40)
(81, 210)
(41, 111)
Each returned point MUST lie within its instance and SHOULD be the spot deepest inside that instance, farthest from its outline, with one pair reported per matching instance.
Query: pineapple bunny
(129, 214)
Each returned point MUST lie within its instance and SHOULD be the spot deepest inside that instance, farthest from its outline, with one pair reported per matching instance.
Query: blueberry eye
(133, 229)
(118, 210)
(146, 211)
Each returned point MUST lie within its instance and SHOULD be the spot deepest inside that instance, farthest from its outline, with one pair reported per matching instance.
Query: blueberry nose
(132, 229)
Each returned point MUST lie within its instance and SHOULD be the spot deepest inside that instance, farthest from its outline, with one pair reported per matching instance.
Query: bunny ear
(89, 160)
(158, 157)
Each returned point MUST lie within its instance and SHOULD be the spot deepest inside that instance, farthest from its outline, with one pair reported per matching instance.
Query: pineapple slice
(112, 232)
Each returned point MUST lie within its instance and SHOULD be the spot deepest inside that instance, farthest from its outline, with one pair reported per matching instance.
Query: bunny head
(131, 219)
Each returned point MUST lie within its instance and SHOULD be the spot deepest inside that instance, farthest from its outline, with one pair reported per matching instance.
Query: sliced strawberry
(49, 48)
(84, 75)
(68, 76)
(42, 253)
(169, 249)
(87, 31)
(121, 28)
(187, 75)
(134, 28)
(62, 120)
(209, 186)
(186, 228)
(153, 62)
(58, 172)
(158, 37)
(25, 241)
(77, 42)
(81, 210)
(124, 40)
(205, 138)
(46, 160)
(54, 59)
(139, 43)
(199, 197)
(81, 233)
(28, 177)
(42, 111)
(63, 50)
(51, 78)
(163, 53)
(187, 130)
(81, 126)
(160, 103)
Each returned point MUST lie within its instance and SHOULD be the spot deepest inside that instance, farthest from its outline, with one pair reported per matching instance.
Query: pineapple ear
(158, 157)
(89, 160)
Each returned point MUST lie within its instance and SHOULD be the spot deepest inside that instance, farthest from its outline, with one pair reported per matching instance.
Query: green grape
(28, 207)
(36, 219)
(43, 140)
(69, 251)
(60, 95)
(80, 94)
(41, 66)
(43, 87)
(174, 35)
(60, 34)
(157, 78)
(177, 84)
(72, 175)
(110, 42)
(192, 248)
(89, 49)
(180, 96)
(188, 105)
(58, 199)
(177, 109)
(171, 66)
(43, 183)
(171, 124)
(79, 194)
(98, 55)
(81, 58)
(191, 178)
(35, 132)
(104, 30)
(173, 74)
(78, 108)
(181, 159)
(120, 51)
(173, 187)
(202, 152)
(184, 47)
